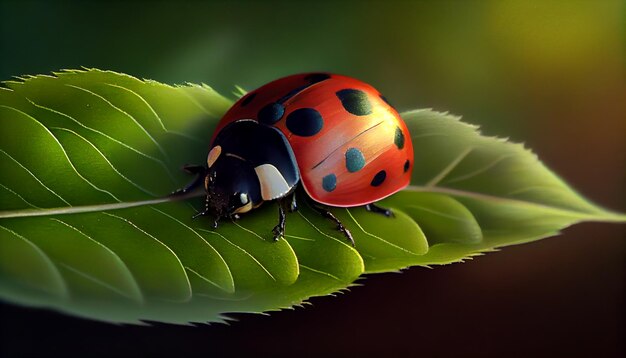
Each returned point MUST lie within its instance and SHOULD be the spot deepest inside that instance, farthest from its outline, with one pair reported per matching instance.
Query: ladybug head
(231, 186)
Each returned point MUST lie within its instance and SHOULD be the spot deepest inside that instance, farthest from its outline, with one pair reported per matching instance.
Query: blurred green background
(496, 62)
(549, 73)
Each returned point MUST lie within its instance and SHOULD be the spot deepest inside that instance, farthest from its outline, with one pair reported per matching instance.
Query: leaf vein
(202, 277)
(93, 208)
(299, 238)
(35, 177)
(322, 232)
(445, 215)
(94, 279)
(195, 102)
(321, 272)
(141, 127)
(115, 256)
(157, 241)
(156, 115)
(157, 160)
(449, 168)
(69, 161)
(158, 118)
(531, 188)
(478, 171)
(375, 236)
(146, 191)
(19, 196)
(45, 257)
(582, 215)
(248, 230)
(230, 274)
(242, 250)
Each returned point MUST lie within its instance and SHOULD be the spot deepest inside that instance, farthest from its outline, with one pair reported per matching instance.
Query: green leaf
(496, 192)
(87, 159)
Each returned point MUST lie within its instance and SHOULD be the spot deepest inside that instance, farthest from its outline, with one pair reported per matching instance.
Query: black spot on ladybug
(355, 102)
(291, 93)
(305, 122)
(398, 138)
(379, 178)
(312, 79)
(317, 77)
(246, 101)
(354, 160)
(329, 182)
(386, 101)
(271, 113)
(407, 164)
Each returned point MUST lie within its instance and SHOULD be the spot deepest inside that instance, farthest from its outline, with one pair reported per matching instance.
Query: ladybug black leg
(328, 215)
(194, 169)
(200, 171)
(294, 205)
(377, 209)
(203, 212)
(199, 214)
(279, 230)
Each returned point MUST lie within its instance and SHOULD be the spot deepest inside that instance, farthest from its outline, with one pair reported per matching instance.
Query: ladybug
(336, 137)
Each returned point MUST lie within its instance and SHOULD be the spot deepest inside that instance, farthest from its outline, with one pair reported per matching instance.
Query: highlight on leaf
(88, 158)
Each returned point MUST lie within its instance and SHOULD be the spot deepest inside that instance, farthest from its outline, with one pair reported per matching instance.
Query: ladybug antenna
(203, 212)
(200, 213)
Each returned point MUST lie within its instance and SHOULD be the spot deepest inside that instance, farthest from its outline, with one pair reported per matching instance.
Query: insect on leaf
(88, 158)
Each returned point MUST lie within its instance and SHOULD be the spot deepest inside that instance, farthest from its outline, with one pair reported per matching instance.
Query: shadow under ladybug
(259, 159)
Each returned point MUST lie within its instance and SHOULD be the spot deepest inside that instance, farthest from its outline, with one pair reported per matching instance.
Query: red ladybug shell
(351, 146)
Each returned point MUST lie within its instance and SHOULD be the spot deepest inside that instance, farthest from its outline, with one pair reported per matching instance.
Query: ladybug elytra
(336, 137)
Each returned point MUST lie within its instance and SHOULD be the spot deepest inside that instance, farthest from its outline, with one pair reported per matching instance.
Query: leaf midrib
(598, 216)
(94, 208)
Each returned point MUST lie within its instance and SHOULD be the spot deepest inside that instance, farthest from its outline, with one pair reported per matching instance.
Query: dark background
(548, 73)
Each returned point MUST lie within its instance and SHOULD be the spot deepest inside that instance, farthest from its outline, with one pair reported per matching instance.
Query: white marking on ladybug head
(244, 199)
(273, 184)
(213, 155)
